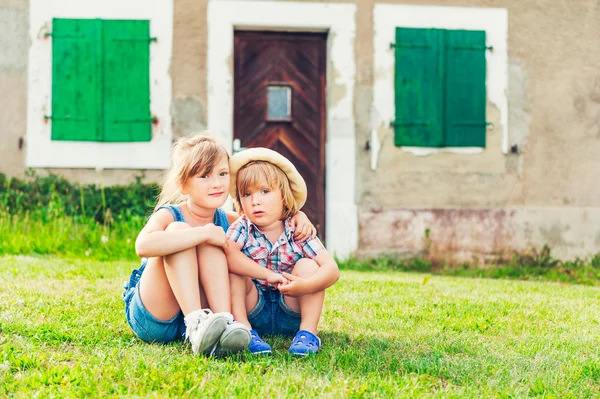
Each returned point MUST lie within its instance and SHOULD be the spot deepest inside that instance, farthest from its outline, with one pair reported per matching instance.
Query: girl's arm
(303, 228)
(327, 274)
(153, 240)
(244, 266)
(232, 216)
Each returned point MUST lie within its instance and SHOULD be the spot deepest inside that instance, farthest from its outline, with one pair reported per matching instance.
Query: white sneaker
(234, 339)
(203, 330)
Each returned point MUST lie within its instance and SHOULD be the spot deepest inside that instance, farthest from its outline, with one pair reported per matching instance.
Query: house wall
(491, 202)
(473, 204)
(14, 17)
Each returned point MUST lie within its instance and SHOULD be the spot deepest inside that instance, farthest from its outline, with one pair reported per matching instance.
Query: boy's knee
(305, 268)
(177, 226)
(235, 280)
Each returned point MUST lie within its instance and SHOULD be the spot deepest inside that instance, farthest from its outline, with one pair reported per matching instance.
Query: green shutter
(75, 79)
(418, 94)
(126, 87)
(465, 94)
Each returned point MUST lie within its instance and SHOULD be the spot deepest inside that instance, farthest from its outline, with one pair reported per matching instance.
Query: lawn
(385, 334)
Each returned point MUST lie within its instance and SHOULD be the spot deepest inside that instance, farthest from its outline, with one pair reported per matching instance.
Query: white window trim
(41, 151)
(339, 20)
(494, 21)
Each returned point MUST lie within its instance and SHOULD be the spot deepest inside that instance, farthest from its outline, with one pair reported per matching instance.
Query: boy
(277, 283)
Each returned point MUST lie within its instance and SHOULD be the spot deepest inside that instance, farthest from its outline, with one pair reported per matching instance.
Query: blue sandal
(257, 345)
(305, 343)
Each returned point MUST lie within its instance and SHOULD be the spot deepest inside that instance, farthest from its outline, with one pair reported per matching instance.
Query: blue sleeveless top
(220, 216)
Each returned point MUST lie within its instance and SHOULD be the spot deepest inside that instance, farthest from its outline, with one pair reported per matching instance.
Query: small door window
(279, 103)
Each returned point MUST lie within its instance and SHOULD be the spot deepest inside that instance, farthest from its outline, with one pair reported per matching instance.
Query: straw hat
(238, 160)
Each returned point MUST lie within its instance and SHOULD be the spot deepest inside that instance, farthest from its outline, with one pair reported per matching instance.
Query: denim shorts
(144, 325)
(271, 316)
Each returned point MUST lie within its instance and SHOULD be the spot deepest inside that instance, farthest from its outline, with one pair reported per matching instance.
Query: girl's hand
(276, 279)
(303, 228)
(297, 286)
(231, 247)
(214, 235)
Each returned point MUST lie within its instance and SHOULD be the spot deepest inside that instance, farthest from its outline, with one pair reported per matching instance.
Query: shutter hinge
(417, 123)
(151, 120)
(408, 45)
(487, 125)
(65, 118)
(476, 48)
(64, 36)
(134, 39)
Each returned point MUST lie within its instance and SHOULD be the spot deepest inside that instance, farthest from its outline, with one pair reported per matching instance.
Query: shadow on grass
(365, 355)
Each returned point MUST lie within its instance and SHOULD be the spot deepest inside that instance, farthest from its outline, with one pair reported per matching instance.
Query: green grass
(83, 237)
(530, 265)
(385, 334)
(69, 236)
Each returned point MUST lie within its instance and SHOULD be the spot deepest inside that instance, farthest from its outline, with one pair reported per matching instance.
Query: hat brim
(238, 160)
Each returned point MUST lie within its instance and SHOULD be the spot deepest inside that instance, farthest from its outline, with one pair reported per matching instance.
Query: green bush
(46, 197)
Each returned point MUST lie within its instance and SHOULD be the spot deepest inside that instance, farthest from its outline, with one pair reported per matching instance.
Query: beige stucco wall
(554, 119)
(13, 84)
(554, 93)
(490, 203)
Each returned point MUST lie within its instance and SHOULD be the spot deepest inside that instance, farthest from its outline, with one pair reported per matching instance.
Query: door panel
(297, 61)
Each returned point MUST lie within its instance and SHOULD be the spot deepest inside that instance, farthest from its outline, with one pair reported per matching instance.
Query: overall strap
(221, 219)
(175, 210)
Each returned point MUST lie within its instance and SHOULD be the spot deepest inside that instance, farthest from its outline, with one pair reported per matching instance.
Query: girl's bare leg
(170, 284)
(214, 277)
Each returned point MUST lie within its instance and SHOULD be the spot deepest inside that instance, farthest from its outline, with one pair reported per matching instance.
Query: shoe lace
(193, 320)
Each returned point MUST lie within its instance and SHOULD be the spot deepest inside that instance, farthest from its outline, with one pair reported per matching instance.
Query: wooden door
(279, 103)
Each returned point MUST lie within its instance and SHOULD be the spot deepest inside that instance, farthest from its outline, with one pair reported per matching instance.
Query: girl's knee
(305, 268)
(177, 226)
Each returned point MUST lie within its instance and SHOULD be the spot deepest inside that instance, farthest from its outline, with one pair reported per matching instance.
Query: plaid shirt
(279, 257)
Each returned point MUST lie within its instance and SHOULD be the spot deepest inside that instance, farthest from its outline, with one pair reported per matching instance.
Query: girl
(182, 286)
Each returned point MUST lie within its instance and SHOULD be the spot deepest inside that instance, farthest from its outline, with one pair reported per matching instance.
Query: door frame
(318, 40)
(338, 19)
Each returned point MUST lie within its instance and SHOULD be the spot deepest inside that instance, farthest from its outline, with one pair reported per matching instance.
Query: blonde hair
(196, 154)
(252, 175)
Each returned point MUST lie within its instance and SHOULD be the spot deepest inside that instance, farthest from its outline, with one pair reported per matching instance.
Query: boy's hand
(276, 279)
(214, 235)
(298, 286)
(303, 228)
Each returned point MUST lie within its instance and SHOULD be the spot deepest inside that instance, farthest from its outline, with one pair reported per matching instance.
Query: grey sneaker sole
(233, 341)
(210, 332)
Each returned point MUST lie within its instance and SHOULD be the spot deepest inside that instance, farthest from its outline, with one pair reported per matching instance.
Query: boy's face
(209, 190)
(263, 205)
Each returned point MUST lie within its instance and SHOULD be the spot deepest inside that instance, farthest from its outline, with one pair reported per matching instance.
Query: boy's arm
(244, 266)
(327, 274)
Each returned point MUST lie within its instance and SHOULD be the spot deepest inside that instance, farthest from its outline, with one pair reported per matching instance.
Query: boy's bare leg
(311, 305)
(244, 297)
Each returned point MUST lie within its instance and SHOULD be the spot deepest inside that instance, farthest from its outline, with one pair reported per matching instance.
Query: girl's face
(209, 190)
(263, 205)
